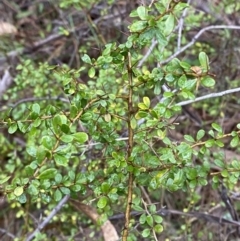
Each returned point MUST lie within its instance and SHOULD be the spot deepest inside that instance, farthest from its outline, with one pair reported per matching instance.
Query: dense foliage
(99, 121)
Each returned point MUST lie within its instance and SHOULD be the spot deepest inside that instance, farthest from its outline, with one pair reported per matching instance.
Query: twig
(196, 37)
(3, 231)
(33, 99)
(212, 95)
(180, 26)
(48, 219)
(129, 151)
(5, 82)
(151, 48)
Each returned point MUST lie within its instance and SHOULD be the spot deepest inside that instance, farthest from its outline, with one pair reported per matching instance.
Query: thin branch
(195, 38)
(180, 26)
(212, 95)
(129, 151)
(151, 48)
(48, 219)
(5, 232)
(5, 82)
(33, 99)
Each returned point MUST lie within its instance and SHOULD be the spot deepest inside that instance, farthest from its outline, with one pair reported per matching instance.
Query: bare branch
(180, 26)
(48, 219)
(196, 37)
(5, 82)
(151, 48)
(212, 95)
(3, 231)
(33, 99)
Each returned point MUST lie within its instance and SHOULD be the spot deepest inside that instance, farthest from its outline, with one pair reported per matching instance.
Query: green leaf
(219, 163)
(168, 94)
(185, 65)
(161, 38)
(47, 142)
(149, 220)
(60, 160)
(158, 228)
(133, 123)
(57, 195)
(5, 179)
(73, 111)
(234, 142)
(86, 59)
(209, 143)
(182, 81)
(18, 191)
(187, 94)
(219, 143)
(91, 72)
(169, 24)
(102, 202)
(189, 138)
(200, 134)
(142, 106)
(146, 101)
(141, 114)
(236, 164)
(142, 12)
(58, 178)
(105, 187)
(47, 174)
(161, 134)
(203, 59)
(157, 88)
(65, 190)
(157, 218)
(207, 81)
(36, 108)
(191, 173)
(33, 190)
(193, 183)
(142, 218)
(65, 128)
(37, 122)
(22, 198)
(67, 138)
(107, 117)
(217, 127)
(86, 117)
(12, 128)
(152, 208)
(80, 137)
(169, 78)
(224, 173)
(138, 26)
(32, 151)
(146, 232)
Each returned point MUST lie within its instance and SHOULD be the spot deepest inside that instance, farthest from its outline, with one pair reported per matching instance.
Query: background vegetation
(119, 120)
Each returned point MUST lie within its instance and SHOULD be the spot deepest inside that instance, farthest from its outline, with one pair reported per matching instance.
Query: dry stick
(129, 152)
(5, 82)
(212, 95)
(47, 220)
(151, 48)
(180, 26)
(108, 230)
(196, 37)
(5, 232)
